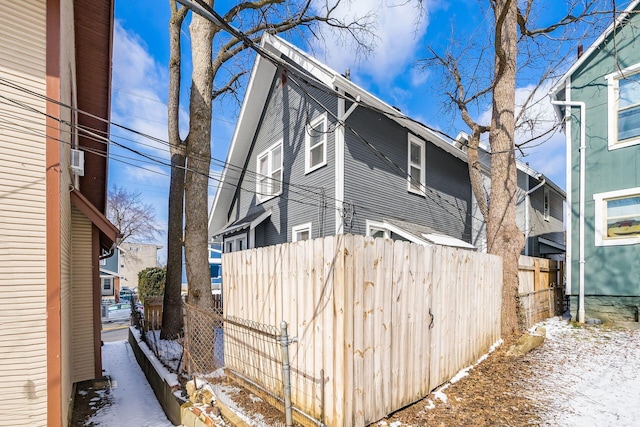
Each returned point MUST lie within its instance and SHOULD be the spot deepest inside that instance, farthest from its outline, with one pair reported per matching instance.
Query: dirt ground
(493, 394)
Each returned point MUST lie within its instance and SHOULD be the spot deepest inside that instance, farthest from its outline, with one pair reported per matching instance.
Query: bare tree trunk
(172, 303)
(503, 236)
(198, 162)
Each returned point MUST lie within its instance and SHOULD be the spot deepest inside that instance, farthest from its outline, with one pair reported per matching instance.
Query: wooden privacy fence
(540, 291)
(379, 323)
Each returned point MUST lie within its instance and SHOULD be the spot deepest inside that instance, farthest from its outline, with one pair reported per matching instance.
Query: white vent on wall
(77, 162)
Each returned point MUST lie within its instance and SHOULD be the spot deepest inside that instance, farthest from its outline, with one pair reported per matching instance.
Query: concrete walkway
(122, 398)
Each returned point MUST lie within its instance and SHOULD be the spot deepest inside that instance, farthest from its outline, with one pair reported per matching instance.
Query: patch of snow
(440, 395)
(430, 405)
(395, 424)
(592, 372)
(134, 403)
(170, 377)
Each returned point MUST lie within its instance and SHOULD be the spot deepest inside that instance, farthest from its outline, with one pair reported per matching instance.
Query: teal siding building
(599, 99)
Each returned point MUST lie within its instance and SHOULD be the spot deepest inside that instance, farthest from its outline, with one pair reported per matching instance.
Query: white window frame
(104, 281)
(546, 205)
(423, 162)
(234, 242)
(268, 153)
(307, 144)
(600, 226)
(612, 95)
(298, 228)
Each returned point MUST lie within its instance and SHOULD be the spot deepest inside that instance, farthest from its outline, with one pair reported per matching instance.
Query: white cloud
(399, 28)
(139, 86)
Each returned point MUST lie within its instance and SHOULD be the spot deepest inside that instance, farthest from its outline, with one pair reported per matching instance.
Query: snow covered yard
(587, 376)
(581, 376)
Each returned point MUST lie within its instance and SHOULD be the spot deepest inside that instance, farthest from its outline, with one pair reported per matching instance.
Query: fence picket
(379, 323)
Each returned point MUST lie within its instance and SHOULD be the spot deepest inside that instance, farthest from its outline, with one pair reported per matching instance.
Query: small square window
(301, 232)
(316, 144)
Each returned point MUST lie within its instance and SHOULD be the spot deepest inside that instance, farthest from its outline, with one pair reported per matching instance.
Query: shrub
(151, 282)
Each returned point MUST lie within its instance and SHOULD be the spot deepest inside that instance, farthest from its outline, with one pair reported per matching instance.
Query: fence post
(286, 373)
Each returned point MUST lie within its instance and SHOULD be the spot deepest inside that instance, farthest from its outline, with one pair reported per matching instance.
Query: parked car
(127, 294)
(119, 311)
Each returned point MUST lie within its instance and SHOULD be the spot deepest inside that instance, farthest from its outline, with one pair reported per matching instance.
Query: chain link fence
(203, 339)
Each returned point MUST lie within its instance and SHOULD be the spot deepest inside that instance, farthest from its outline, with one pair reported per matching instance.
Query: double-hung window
(316, 144)
(416, 165)
(269, 179)
(617, 217)
(624, 107)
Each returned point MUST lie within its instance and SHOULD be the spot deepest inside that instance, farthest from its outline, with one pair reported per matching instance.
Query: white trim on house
(594, 46)
(298, 229)
(411, 184)
(393, 229)
(320, 120)
(265, 181)
(339, 164)
(613, 95)
(234, 243)
(600, 226)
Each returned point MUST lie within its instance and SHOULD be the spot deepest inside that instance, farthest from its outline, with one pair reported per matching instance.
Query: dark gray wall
(288, 109)
(378, 188)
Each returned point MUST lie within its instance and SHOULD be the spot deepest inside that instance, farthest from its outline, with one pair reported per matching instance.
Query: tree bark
(198, 162)
(503, 236)
(172, 302)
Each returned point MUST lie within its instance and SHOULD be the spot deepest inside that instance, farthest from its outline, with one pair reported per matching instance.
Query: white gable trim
(619, 20)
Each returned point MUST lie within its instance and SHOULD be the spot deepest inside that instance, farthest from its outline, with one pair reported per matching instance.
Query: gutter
(582, 183)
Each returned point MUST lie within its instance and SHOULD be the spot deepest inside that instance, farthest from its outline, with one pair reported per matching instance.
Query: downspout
(527, 207)
(582, 183)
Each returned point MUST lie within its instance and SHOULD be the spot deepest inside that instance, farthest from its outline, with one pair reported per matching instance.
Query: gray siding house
(313, 154)
(599, 100)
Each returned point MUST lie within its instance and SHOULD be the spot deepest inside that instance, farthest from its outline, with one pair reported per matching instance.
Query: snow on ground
(587, 376)
(132, 403)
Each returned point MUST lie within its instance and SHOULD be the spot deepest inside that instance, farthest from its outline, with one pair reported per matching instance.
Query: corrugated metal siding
(378, 189)
(82, 303)
(286, 113)
(23, 393)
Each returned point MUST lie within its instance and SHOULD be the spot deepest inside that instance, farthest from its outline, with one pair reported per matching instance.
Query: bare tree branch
(230, 86)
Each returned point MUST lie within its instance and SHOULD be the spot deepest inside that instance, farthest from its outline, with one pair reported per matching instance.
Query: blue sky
(140, 82)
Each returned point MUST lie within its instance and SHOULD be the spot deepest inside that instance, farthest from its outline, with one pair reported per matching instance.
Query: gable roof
(256, 95)
(620, 20)
(255, 98)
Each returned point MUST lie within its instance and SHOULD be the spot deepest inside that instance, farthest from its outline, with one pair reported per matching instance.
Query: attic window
(316, 144)
(624, 107)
